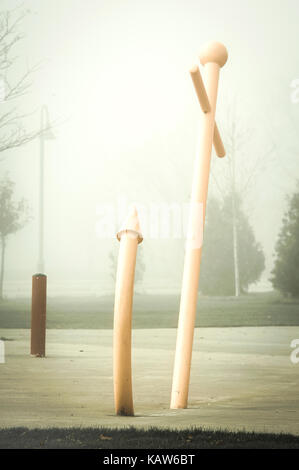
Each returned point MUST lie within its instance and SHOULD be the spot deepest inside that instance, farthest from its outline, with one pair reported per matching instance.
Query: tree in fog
(285, 275)
(217, 267)
(13, 217)
(13, 83)
(238, 174)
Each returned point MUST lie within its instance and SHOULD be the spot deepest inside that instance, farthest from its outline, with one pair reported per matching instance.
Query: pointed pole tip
(131, 225)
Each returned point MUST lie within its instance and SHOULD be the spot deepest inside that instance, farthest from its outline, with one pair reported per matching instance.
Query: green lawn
(160, 311)
(132, 438)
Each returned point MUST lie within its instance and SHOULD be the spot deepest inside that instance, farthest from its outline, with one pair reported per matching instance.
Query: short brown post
(38, 315)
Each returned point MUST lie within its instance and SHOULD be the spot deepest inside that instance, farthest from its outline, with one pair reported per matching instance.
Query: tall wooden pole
(129, 237)
(213, 56)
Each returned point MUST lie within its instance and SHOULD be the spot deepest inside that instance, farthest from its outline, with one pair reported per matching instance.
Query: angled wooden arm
(206, 108)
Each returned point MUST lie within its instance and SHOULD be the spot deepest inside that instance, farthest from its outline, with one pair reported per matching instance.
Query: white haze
(114, 75)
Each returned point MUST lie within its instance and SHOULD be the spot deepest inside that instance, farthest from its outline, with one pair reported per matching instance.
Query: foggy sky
(114, 75)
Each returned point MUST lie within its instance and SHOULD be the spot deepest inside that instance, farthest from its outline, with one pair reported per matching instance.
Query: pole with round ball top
(129, 237)
(213, 56)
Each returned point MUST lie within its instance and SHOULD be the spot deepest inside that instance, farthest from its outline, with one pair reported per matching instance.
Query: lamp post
(39, 280)
(45, 134)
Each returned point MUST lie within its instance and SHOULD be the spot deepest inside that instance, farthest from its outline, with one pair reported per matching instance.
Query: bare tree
(12, 129)
(238, 174)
